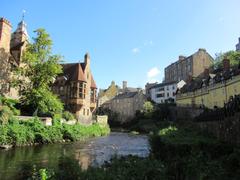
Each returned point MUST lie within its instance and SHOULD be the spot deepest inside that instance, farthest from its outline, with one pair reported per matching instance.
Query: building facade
(112, 91)
(238, 45)
(165, 92)
(188, 66)
(126, 104)
(212, 89)
(12, 46)
(107, 94)
(77, 89)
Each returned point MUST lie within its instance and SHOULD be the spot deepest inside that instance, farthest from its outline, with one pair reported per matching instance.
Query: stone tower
(19, 41)
(5, 35)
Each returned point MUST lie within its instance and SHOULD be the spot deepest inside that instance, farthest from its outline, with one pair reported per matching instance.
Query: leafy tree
(148, 109)
(233, 56)
(36, 74)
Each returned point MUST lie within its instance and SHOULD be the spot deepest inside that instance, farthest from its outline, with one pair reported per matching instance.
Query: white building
(238, 45)
(165, 92)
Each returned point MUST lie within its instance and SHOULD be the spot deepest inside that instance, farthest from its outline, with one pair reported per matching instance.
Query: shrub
(5, 114)
(68, 116)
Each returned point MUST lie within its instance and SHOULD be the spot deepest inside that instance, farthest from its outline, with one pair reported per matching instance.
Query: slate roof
(126, 95)
(163, 84)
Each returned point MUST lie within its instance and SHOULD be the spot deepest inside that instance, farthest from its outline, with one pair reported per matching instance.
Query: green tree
(233, 56)
(148, 109)
(36, 74)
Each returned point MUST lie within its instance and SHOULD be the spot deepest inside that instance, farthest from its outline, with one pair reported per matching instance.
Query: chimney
(5, 34)
(87, 59)
(202, 49)
(206, 72)
(181, 57)
(124, 84)
(190, 78)
(226, 64)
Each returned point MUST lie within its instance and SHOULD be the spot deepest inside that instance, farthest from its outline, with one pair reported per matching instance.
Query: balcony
(76, 101)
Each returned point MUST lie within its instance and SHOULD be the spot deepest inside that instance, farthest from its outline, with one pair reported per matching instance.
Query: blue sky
(130, 40)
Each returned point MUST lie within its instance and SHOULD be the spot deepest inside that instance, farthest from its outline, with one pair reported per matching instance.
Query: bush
(68, 116)
(5, 114)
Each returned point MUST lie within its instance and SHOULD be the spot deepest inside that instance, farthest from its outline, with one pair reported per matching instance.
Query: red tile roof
(73, 72)
(93, 84)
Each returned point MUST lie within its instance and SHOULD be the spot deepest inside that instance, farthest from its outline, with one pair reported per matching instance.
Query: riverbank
(176, 153)
(33, 132)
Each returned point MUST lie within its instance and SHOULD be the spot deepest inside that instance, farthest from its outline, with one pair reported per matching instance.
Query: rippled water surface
(92, 152)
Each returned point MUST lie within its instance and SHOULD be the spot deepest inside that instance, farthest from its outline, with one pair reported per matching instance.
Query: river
(93, 152)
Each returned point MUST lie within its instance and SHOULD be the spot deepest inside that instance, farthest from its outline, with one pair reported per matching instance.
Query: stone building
(112, 91)
(12, 46)
(107, 94)
(212, 88)
(126, 104)
(188, 66)
(77, 89)
(238, 45)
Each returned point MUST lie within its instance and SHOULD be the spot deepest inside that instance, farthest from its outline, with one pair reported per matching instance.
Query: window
(167, 88)
(159, 95)
(88, 112)
(93, 95)
(82, 90)
(173, 87)
(84, 112)
(167, 94)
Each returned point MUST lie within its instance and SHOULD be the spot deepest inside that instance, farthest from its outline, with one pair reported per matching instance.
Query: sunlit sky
(132, 40)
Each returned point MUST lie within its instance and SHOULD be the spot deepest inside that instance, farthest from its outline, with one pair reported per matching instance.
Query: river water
(90, 153)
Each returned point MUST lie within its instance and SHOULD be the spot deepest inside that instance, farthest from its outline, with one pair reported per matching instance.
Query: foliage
(233, 56)
(36, 76)
(68, 116)
(148, 109)
(5, 114)
(20, 133)
(187, 154)
(10, 103)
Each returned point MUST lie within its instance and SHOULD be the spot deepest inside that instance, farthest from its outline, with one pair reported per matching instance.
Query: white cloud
(135, 50)
(153, 72)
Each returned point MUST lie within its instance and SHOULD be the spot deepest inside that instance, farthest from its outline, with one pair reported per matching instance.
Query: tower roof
(22, 28)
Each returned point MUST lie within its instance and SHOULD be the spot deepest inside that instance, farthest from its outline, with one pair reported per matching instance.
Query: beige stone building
(12, 46)
(188, 66)
(105, 95)
(77, 89)
(126, 104)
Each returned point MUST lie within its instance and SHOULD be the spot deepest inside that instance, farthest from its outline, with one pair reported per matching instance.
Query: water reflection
(15, 163)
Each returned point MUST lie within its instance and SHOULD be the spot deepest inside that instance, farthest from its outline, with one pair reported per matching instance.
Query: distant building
(211, 88)
(107, 94)
(238, 45)
(126, 104)
(148, 87)
(112, 91)
(188, 66)
(165, 92)
(77, 89)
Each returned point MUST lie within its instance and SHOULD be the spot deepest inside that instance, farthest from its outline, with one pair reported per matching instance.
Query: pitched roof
(93, 84)
(73, 72)
(163, 84)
